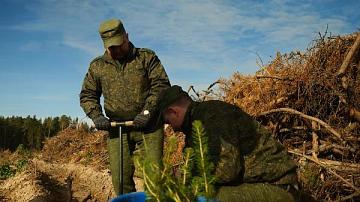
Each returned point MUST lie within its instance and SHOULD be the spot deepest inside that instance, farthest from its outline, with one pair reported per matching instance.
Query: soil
(71, 167)
(58, 182)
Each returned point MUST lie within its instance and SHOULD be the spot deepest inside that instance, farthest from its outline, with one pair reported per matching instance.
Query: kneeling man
(250, 165)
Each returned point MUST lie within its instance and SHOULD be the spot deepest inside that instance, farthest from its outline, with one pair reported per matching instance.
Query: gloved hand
(141, 119)
(101, 123)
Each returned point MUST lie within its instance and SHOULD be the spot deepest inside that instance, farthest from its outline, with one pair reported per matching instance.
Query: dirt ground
(71, 167)
(58, 182)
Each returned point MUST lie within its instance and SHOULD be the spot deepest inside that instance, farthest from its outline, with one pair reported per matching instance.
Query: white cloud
(79, 43)
(206, 35)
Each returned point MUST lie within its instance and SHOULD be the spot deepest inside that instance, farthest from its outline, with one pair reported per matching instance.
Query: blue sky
(46, 45)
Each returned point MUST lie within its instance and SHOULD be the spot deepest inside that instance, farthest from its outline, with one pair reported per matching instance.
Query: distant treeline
(31, 131)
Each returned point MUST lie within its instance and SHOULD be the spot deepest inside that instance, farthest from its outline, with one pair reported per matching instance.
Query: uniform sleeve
(159, 81)
(90, 94)
(224, 152)
(231, 132)
(238, 138)
(229, 165)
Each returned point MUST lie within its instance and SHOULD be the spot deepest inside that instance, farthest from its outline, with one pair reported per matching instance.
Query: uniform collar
(187, 123)
(131, 55)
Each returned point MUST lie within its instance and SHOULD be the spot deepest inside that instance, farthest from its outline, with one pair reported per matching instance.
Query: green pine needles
(204, 167)
(196, 172)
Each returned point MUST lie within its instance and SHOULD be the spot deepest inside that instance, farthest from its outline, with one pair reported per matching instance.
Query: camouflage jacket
(241, 149)
(128, 86)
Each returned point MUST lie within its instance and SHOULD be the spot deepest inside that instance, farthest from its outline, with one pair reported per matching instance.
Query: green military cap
(170, 96)
(112, 32)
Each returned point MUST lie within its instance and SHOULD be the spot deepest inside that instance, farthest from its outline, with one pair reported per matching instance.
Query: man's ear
(172, 110)
(175, 110)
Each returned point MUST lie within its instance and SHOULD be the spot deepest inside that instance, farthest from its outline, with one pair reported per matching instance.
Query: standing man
(130, 79)
(250, 165)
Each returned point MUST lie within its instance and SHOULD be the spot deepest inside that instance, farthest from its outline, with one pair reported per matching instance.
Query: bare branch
(348, 197)
(209, 90)
(274, 77)
(327, 168)
(349, 56)
(355, 114)
(213, 84)
(293, 111)
(193, 89)
(278, 101)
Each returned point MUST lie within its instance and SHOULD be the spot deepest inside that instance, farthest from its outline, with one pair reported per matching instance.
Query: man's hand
(101, 123)
(142, 119)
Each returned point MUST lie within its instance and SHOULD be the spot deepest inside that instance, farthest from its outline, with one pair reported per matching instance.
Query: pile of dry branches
(311, 102)
(77, 146)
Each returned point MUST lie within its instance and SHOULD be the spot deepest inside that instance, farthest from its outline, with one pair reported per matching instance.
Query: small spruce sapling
(162, 185)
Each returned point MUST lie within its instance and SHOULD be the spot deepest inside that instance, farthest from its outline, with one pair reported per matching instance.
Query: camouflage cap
(170, 96)
(112, 32)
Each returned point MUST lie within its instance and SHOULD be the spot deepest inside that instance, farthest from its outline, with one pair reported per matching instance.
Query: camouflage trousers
(133, 146)
(253, 192)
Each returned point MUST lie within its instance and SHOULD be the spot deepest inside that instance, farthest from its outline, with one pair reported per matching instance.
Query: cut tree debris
(310, 101)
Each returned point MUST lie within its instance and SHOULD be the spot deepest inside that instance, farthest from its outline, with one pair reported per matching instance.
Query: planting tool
(121, 124)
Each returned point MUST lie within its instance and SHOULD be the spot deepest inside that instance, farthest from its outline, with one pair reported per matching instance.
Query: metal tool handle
(121, 180)
(122, 123)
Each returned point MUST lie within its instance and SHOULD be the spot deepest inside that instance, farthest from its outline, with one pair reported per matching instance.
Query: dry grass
(77, 146)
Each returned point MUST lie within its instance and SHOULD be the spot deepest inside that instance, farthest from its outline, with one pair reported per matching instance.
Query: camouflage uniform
(129, 87)
(249, 162)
